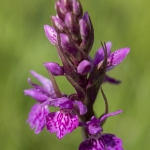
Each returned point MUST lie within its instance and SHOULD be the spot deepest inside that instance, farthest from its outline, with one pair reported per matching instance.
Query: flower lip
(61, 122)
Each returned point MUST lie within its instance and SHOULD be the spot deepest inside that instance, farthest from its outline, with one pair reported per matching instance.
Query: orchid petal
(47, 84)
(99, 56)
(82, 108)
(36, 95)
(36, 117)
(61, 122)
(117, 57)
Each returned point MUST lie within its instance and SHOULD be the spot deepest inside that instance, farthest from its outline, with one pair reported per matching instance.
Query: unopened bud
(61, 10)
(51, 34)
(77, 8)
(70, 21)
(84, 30)
(58, 23)
(54, 68)
(84, 67)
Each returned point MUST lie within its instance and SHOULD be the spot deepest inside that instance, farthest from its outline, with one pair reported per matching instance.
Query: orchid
(72, 34)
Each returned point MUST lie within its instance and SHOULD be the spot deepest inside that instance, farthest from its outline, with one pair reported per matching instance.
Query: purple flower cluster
(72, 34)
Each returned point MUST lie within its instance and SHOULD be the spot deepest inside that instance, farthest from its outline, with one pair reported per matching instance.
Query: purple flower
(36, 117)
(98, 141)
(65, 120)
(40, 94)
(113, 59)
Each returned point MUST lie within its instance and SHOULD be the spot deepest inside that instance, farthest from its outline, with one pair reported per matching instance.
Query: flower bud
(58, 23)
(84, 30)
(67, 4)
(51, 34)
(70, 21)
(54, 68)
(61, 10)
(84, 67)
(77, 8)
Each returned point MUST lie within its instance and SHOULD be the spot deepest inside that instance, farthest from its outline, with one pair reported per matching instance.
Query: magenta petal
(36, 117)
(50, 34)
(61, 122)
(47, 84)
(99, 56)
(118, 56)
(82, 108)
(93, 143)
(112, 142)
(110, 114)
(36, 94)
(102, 142)
(94, 126)
(111, 80)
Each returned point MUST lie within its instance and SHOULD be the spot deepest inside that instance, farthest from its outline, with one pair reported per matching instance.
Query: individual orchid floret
(54, 68)
(40, 93)
(51, 34)
(66, 119)
(97, 140)
(114, 58)
(84, 67)
(36, 117)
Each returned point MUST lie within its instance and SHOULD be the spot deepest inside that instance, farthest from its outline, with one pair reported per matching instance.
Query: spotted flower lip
(65, 120)
(102, 142)
(62, 122)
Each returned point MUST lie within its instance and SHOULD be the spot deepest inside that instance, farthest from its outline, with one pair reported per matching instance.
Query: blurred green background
(23, 46)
